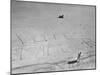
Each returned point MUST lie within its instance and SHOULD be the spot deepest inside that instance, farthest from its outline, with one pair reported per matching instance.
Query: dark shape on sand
(75, 61)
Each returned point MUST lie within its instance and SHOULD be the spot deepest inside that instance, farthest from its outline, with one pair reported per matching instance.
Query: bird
(61, 16)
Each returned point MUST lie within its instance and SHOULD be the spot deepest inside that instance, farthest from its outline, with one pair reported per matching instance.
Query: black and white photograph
(52, 37)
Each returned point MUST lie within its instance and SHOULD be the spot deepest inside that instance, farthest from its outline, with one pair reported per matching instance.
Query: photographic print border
(48, 3)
